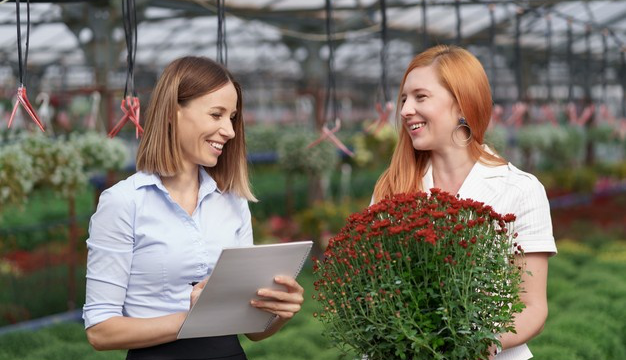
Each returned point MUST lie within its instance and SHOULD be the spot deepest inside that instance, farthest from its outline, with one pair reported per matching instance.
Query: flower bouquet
(420, 276)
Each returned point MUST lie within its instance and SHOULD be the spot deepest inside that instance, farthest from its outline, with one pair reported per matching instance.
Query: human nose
(407, 110)
(227, 129)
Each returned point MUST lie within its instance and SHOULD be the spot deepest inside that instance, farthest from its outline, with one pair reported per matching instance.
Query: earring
(463, 123)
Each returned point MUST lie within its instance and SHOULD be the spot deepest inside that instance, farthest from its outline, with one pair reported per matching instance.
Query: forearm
(528, 324)
(122, 332)
(276, 325)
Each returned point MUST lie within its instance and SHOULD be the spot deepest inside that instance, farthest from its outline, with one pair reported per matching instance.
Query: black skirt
(214, 348)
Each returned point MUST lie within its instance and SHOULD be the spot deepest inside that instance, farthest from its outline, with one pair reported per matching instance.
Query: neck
(185, 180)
(450, 169)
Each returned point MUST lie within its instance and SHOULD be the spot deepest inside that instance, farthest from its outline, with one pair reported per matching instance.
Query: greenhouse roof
(276, 36)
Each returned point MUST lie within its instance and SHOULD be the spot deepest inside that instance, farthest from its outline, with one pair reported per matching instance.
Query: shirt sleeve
(110, 252)
(534, 224)
(245, 232)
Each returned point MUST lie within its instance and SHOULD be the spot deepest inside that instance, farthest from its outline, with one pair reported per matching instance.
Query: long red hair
(464, 77)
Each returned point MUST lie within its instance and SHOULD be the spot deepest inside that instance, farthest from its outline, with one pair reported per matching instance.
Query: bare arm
(121, 332)
(529, 323)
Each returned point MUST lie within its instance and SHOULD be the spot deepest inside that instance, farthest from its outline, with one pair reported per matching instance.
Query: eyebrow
(221, 108)
(416, 91)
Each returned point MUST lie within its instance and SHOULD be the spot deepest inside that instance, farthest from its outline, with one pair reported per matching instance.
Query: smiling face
(205, 124)
(429, 112)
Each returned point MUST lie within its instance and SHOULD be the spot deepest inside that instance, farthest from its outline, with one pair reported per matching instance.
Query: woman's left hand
(285, 304)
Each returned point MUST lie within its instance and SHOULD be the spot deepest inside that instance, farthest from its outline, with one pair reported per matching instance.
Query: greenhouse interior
(323, 99)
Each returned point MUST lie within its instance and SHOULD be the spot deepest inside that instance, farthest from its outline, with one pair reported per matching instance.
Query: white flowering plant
(17, 175)
(98, 152)
(32, 160)
(57, 163)
(294, 156)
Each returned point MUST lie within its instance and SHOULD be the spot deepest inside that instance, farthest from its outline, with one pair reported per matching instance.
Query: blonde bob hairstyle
(159, 151)
(464, 77)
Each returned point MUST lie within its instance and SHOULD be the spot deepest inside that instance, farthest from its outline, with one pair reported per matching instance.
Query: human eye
(420, 97)
(216, 116)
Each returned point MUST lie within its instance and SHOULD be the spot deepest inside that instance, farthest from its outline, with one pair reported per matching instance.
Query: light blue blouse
(144, 249)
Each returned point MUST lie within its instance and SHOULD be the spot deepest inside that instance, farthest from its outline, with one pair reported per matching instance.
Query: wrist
(498, 346)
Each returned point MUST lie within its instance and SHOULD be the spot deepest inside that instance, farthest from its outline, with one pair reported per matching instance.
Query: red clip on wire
(548, 112)
(619, 125)
(585, 115)
(496, 114)
(131, 109)
(330, 135)
(383, 118)
(517, 114)
(22, 98)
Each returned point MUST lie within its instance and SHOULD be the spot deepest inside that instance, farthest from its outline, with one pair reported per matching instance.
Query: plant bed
(602, 219)
(581, 325)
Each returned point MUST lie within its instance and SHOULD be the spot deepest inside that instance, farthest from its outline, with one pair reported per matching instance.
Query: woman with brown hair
(163, 227)
(444, 109)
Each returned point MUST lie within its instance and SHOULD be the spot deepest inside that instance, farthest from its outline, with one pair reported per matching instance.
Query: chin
(208, 163)
(420, 146)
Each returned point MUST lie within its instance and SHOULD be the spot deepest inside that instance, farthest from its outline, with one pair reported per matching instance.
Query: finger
(296, 298)
(201, 284)
(282, 314)
(290, 283)
(195, 293)
(275, 306)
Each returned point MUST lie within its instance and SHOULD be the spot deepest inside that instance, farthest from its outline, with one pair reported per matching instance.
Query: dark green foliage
(18, 303)
(585, 321)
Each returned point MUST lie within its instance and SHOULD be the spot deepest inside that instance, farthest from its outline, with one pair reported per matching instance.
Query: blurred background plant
(372, 148)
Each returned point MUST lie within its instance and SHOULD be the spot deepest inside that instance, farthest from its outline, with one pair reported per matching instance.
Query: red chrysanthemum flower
(412, 252)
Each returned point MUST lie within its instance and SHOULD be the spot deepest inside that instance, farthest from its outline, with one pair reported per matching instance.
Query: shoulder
(525, 182)
(508, 188)
(243, 203)
(116, 207)
(124, 192)
(238, 202)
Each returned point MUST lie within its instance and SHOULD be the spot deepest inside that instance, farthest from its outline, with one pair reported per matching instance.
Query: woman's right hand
(195, 292)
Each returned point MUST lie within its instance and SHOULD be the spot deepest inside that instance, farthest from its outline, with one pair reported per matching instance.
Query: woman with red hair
(444, 109)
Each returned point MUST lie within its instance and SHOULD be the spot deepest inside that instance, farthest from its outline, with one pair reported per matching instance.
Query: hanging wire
(548, 54)
(222, 47)
(129, 105)
(623, 58)
(425, 40)
(331, 91)
(332, 123)
(383, 51)
(129, 16)
(570, 86)
(22, 65)
(457, 9)
(384, 108)
(588, 67)
(492, 45)
(605, 60)
(22, 96)
(518, 52)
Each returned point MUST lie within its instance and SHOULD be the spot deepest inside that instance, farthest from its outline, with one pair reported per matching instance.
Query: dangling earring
(462, 123)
